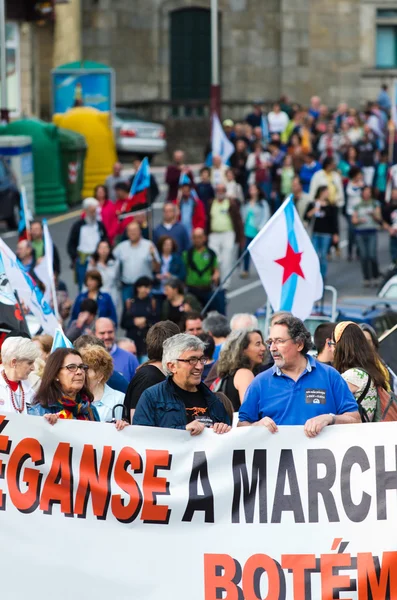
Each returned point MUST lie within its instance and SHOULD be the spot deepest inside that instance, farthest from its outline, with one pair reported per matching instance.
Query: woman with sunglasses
(64, 393)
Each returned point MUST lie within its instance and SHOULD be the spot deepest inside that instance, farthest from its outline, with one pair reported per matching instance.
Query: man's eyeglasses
(194, 360)
(276, 342)
(74, 368)
(331, 343)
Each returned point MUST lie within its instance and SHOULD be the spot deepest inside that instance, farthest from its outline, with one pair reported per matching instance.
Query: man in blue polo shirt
(297, 390)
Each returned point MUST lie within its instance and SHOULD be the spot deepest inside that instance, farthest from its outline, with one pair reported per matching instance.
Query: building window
(13, 69)
(386, 38)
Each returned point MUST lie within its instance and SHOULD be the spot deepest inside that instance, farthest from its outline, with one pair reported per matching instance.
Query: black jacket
(74, 236)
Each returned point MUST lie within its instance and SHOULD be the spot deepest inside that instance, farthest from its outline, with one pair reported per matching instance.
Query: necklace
(21, 408)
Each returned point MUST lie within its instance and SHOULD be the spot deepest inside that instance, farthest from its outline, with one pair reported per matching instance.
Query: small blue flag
(60, 340)
(141, 180)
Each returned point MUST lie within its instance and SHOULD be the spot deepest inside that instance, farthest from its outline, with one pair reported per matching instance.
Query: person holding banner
(64, 392)
(100, 369)
(182, 401)
(297, 390)
(18, 355)
(357, 363)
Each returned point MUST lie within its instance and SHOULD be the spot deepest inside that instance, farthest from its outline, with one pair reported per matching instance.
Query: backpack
(387, 403)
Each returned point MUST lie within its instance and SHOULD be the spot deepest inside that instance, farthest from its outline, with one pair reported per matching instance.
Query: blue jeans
(321, 243)
(393, 248)
(81, 269)
(367, 246)
(247, 257)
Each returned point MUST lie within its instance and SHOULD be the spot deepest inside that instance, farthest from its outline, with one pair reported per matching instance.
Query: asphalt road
(245, 295)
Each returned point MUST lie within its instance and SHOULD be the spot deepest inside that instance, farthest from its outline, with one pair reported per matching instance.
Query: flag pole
(150, 214)
(222, 283)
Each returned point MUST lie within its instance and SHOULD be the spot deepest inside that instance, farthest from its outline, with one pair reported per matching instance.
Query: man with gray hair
(17, 355)
(217, 326)
(84, 237)
(297, 390)
(243, 321)
(182, 401)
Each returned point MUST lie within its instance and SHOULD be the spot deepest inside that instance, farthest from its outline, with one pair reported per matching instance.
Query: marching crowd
(214, 374)
(181, 363)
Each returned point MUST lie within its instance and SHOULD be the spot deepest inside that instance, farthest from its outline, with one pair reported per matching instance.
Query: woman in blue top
(255, 213)
(172, 264)
(106, 308)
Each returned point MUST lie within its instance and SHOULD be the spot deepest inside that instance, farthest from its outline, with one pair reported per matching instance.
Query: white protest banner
(90, 512)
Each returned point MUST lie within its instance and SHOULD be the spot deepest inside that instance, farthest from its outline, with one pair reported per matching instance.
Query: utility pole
(3, 64)
(215, 86)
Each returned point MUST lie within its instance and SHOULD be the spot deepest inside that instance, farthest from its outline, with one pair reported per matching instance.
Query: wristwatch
(333, 418)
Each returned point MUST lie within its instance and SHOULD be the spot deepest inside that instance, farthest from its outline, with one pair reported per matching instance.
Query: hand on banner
(220, 428)
(195, 427)
(52, 418)
(120, 424)
(268, 423)
(315, 426)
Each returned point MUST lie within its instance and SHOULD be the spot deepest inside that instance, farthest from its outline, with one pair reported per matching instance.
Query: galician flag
(24, 217)
(221, 145)
(287, 263)
(60, 340)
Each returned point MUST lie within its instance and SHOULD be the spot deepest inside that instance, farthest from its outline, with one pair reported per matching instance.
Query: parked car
(9, 196)
(137, 136)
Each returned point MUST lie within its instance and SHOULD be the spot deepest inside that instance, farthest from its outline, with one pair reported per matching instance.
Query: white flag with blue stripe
(60, 340)
(28, 291)
(287, 263)
(221, 145)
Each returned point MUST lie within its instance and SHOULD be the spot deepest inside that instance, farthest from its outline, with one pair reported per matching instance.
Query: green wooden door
(190, 54)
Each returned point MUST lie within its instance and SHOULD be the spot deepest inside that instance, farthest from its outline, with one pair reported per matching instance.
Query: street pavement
(244, 295)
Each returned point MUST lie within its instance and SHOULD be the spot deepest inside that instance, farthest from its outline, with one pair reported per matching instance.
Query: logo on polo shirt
(315, 396)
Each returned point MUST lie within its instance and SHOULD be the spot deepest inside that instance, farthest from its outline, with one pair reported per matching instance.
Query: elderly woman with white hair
(18, 355)
(84, 237)
(182, 401)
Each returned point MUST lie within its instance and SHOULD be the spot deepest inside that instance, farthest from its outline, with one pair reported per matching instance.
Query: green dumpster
(73, 152)
(50, 195)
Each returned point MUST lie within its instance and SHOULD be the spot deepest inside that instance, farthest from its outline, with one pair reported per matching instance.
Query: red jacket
(199, 217)
(109, 220)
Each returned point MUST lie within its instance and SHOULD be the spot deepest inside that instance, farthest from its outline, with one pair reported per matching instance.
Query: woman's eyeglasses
(74, 368)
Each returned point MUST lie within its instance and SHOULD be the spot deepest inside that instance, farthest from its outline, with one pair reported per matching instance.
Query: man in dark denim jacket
(182, 401)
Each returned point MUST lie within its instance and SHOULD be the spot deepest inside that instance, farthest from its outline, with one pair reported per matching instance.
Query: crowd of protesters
(181, 363)
(249, 381)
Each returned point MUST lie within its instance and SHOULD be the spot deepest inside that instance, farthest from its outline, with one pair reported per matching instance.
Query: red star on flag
(291, 263)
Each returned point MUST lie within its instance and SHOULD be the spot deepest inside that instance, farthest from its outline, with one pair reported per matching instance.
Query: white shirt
(277, 121)
(5, 396)
(105, 405)
(89, 238)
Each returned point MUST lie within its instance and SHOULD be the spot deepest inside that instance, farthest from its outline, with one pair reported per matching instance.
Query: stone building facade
(267, 47)
(160, 49)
